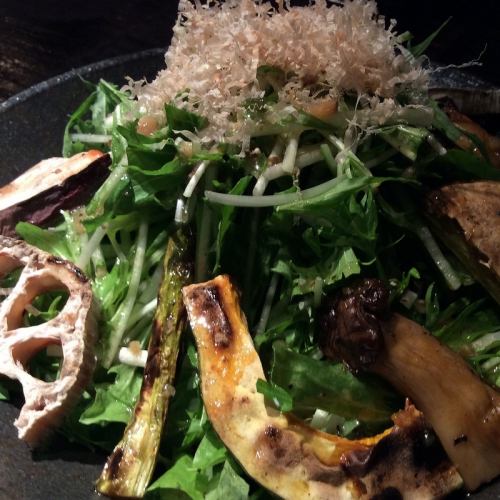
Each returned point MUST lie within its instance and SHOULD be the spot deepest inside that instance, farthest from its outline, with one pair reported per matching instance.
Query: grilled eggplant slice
(38, 195)
(129, 468)
(279, 451)
(74, 328)
(466, 217)
(463, 410)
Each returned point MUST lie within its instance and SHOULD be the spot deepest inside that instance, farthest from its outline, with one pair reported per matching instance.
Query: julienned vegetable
(301, 166)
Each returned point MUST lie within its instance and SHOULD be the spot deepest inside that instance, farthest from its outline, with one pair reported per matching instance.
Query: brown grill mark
(460, 439)
(69, 266)
(113, 464)
(210, 307)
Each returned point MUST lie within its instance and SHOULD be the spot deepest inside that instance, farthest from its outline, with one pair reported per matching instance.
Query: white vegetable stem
(130, 357)
(273, 200)
(203, 236)
(109, 186)
(195, 178)
(90, 247)
(121, 317)
(486, 341)
(138, 313)
(290, 154)
(91, 138)
(268, 302)
(440, 260)
(304, 158)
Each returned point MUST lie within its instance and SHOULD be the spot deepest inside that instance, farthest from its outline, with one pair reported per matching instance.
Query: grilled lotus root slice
(282, 453)
(74, 328)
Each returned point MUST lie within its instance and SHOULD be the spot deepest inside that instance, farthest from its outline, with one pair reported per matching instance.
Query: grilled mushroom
(463, 411)
(52, 185)
(281, 452)
(466, 217)
(74, 328)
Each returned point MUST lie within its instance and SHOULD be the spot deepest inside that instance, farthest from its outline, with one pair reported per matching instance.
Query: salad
(298, 152)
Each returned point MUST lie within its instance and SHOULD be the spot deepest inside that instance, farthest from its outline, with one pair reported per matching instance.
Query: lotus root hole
(39, 293)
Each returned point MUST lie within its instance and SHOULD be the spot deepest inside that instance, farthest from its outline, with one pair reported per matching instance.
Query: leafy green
(211, 451)
(114, 400)
(226, 217)
(420, 48)
(4, 393)
(341, 264)
(276, 394)
(319, 384)
(180, 119)
(230, 485)
(181, 476)
(53, 242)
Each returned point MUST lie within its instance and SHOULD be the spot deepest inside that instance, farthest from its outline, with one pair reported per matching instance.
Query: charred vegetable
(463, 410)
(466, 216)
(281, 452)
(74, 329)
(52, 185)
(130, 466)
(464, 123)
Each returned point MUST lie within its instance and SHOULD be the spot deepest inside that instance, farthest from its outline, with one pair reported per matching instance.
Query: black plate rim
(57, 80)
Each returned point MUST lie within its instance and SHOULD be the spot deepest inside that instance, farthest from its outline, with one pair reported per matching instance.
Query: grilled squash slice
(281, 452)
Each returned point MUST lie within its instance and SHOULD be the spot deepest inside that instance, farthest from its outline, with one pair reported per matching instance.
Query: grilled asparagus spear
(131, 464)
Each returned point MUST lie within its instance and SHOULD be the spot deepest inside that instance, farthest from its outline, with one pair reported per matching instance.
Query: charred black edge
(426, 451)
(449, 232)
(113, 463)
(208, 302)
(45, 206)
(182, 266)
(152, 369)
(69, 266)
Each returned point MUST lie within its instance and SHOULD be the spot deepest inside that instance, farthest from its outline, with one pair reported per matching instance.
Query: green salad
(304, 195)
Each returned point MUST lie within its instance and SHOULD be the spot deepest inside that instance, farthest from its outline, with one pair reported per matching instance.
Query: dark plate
(31, 128)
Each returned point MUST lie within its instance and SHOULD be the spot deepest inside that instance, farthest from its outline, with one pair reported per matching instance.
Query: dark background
(42, 38)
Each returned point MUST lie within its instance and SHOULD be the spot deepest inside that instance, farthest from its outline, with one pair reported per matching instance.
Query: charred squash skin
(282, 453)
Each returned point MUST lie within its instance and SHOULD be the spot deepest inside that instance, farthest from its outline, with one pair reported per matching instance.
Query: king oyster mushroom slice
(55, 184)
(285, 455)
(463, 410)
(74, 328)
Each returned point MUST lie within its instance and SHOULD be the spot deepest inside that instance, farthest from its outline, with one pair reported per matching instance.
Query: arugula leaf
(211, 451)
(319, 384)
(230, 485)
(420, 48)
(407, 140)
(182, 476)
(53, 242)
(69, 148)
(114, 401)
(226, 216)
(341, 264)
(457, 164)
(180, 119)
(166, 183)
(276, 394)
